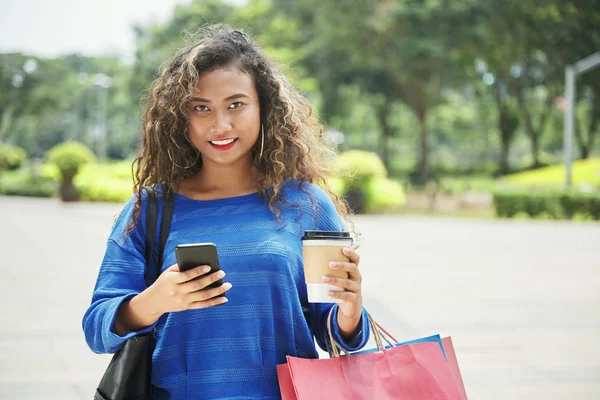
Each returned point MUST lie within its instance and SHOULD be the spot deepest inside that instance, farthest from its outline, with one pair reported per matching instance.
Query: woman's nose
(222, 122)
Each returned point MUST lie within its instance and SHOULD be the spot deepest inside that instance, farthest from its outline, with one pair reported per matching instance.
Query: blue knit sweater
(230, 351)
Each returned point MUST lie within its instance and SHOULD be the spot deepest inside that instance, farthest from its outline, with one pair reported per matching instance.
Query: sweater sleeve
(328, 219)
(121, 277)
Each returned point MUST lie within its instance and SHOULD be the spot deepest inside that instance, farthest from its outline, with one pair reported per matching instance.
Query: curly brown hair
(294, 144)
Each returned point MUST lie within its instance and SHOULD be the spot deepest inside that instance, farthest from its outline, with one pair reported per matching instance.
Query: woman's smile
(223, 144)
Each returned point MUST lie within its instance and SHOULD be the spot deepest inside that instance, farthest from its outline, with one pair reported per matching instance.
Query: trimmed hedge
(555, 205)
(11, 157)
(22, 183)
(358, 167)
(382, 194)
(69, 157)
(362, 180)
(99, 182)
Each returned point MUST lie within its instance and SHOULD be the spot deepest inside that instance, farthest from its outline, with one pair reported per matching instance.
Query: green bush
(104, 188)
(11, 157)
(106, 182)
(461, 184)
(362, 181)
(547, 204)
(99, 182)
(507, 205)
(22, 183)
(69, 157)
(582, 204)
(336, 184)
(357, 167)
(383, 193)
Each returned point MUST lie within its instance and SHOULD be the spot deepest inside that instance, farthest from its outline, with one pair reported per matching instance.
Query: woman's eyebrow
(237, 96)
(232, 97)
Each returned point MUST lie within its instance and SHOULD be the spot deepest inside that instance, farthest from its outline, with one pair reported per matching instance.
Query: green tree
(399, 50)
(47, 101)
(278, 35)
(156, 43)
(568, 32)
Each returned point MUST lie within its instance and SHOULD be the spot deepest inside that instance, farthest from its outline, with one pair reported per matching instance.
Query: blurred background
(453, 101)
(472, 126)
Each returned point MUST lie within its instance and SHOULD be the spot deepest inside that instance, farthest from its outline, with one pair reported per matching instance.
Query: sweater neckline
(223, 201)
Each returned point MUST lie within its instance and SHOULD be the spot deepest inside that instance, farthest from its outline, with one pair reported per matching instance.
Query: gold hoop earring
(188, 166)
(262, 142)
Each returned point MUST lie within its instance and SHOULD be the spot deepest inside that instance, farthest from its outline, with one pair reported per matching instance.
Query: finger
(209, 303)
(347, 284)
(192, 273)
(351, 268)
(207, 294)
(198, 284)
(352, 255)
(345, 296)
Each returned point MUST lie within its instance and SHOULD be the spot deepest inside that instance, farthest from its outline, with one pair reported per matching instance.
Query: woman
(242, 154)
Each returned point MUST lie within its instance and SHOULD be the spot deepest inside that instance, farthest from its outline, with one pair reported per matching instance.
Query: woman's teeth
(222, 142)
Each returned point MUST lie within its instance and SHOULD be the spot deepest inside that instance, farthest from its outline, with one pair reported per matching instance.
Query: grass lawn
(584, 173)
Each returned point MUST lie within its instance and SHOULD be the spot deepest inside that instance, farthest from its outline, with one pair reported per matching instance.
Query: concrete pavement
(521, 299)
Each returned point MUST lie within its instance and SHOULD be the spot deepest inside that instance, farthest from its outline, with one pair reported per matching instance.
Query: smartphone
(195, 254)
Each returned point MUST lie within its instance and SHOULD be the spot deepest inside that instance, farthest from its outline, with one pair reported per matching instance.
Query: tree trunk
(423, 146)
(535, 133)
(504, 162)
(507, 125)
(535, 148)
(584, 152)
(386, 132)
(581, 142)
(68, 190)
(356, 201)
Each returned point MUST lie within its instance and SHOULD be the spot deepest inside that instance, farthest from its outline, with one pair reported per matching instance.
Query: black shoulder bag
(128, 375)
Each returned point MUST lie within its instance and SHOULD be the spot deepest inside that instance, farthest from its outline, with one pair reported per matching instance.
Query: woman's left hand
(350, 310)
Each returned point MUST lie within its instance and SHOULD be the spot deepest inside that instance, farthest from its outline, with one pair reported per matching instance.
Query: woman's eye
(201, 108)
(235, 105)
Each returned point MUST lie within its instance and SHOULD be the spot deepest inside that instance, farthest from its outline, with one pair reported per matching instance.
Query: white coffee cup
(318, 249)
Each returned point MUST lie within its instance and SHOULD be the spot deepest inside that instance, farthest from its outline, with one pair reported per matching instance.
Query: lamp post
(103, 82)
(99, 132)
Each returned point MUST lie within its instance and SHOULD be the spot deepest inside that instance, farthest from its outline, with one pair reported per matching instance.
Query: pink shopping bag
(413, 371)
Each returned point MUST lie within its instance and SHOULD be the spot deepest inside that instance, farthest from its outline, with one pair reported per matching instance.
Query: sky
(51, 28)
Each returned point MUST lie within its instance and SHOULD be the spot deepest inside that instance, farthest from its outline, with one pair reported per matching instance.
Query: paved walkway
(520, 299)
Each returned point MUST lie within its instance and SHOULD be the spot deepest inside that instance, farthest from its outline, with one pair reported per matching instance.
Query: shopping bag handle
(379, 334)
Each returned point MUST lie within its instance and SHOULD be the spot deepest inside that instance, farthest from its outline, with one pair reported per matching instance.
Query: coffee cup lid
(326, 235)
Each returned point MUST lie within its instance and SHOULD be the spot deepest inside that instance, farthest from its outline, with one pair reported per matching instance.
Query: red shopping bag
(413, 371)
(453, 365)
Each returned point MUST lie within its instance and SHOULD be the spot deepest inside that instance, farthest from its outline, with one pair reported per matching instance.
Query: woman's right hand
(172, 291)
(178, 291)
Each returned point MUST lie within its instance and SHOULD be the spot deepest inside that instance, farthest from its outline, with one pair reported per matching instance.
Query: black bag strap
(153, 271)
(151, 220)
(165, 227)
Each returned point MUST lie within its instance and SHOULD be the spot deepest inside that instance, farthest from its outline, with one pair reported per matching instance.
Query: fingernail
(225, 300)
(333, 264)
(347, 250)
(333, 294)
(227, 286)
(326, 279)
(220, 274)
(205, 269)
